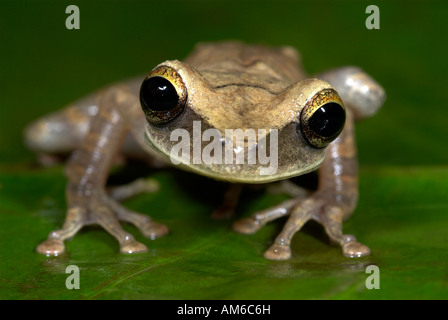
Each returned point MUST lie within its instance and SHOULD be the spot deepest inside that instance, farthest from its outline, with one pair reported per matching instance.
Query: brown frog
(220, 86)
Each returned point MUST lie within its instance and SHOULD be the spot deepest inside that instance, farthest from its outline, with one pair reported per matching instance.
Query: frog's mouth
(183, 155)
(245, 177)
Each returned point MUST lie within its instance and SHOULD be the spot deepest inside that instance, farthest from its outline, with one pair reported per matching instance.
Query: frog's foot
(315, 208)
(299, 215)
(331, 218)
(354, 249)
(54, 245)
(51, 247)
(148, 227)
(107, 213)
(278, 252)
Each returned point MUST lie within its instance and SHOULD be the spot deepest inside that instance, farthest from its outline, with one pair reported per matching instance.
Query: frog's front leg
(87, 171)
(227, 207)
(333, 202)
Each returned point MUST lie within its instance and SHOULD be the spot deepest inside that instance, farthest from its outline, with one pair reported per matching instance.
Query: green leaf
(398, 218)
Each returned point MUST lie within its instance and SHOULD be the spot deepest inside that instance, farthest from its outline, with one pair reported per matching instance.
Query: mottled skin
(227, 85)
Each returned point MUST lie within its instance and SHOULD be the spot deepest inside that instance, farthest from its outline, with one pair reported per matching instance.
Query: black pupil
(158, 94)
(327, 120)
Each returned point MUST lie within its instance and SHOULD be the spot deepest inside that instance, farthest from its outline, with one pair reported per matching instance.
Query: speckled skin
(230, 85)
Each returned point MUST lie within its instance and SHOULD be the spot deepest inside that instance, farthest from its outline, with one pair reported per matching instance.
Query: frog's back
(273, 69)
(233, 62)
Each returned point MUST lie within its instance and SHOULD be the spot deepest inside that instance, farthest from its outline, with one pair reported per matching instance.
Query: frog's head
(282, 134)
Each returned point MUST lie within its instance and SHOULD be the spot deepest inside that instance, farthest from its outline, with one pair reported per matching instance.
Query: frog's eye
(323, 118)
(163, 95)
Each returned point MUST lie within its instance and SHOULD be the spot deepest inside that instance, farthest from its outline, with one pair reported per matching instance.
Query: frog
(222, 85)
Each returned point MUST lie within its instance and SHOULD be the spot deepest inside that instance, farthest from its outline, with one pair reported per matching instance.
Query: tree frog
(225, 85)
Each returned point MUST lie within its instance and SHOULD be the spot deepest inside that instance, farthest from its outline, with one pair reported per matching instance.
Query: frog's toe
(246, 226)
(134, 188)
(154, 230)
(278, 252)
(51, 247)
(355, 249)
(133, 247)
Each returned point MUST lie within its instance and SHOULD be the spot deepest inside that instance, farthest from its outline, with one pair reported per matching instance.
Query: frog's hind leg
(359, 91)
(227, 207)
(54, 136)
(87, 173)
